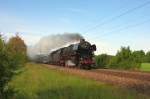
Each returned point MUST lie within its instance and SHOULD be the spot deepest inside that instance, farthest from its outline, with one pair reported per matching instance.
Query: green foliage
(138, 56)
(124, 59)
(11, 58)
(38, 82)
(145, 67)
(18, 49)
(102, 60)
(147, 57)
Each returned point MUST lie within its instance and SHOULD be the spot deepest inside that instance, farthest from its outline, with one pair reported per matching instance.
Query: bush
(102, 60)
(12, 57)
(147, 57)
(138, 56)
(126, 59)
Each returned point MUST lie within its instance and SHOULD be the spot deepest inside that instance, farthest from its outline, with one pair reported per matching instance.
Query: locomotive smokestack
(49, 43)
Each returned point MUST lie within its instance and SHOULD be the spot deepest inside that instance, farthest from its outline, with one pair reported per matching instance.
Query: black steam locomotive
(78, 55)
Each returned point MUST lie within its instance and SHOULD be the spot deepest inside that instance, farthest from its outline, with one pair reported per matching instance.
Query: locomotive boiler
(78, 55)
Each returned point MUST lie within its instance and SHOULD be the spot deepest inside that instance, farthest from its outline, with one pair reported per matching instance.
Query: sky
(34, 19)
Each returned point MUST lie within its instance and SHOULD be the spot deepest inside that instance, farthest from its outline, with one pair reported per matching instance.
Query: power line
(124, 28)
(103, 18)
(118, 16)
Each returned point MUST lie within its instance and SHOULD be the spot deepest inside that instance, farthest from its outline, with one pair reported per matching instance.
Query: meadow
(39, 82)
(145, 67)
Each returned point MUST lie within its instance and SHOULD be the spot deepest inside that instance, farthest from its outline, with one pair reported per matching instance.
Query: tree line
(125, 58)
(12, 57)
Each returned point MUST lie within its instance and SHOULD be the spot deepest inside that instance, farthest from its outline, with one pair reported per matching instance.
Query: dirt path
(129, 79)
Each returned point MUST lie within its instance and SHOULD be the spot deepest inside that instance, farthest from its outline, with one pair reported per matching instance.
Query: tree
(124, 59)
(17, 48)
(6, 70)
(147, 57)
(138, 56)
(102, 60)
(16, 44)
(12, 56)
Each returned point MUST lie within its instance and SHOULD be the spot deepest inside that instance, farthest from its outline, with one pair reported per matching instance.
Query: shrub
(12, 57)
(102, 60)
(126, 59)
(147, 57)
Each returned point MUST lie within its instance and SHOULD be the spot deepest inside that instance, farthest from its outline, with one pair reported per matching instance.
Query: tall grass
(38, 82)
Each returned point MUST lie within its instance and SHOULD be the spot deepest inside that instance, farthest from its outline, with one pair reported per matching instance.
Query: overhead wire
(118, 16)
(103, 18)
(126, 27)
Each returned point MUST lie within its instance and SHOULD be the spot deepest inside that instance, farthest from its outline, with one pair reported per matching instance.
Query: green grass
(145, 67)
(38, 82)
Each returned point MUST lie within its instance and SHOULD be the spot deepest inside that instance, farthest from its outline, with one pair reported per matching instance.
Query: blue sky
(36, 18)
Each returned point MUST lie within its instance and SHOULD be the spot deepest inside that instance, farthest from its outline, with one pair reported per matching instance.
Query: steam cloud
(53, 42)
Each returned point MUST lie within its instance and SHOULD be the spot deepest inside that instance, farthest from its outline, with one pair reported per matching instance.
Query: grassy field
(145, 67)
(38, 82)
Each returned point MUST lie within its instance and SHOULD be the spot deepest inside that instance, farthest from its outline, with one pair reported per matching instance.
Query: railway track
(139, 81)
(145, 76)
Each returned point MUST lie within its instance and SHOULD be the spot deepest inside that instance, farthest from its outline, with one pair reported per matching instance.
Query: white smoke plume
(53, 42)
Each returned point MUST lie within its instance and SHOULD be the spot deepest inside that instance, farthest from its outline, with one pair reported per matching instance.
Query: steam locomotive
(78, 55)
